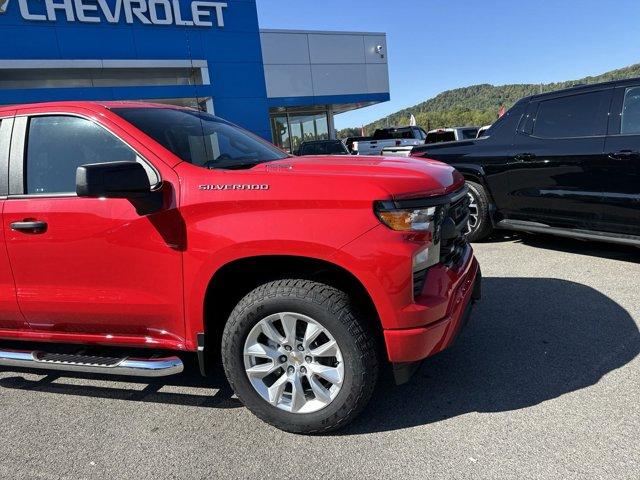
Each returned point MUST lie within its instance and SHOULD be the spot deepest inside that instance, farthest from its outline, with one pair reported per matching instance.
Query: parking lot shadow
(529, 340)
(186, 389)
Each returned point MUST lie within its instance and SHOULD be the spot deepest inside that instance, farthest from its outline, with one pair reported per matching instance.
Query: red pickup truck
(134, 234)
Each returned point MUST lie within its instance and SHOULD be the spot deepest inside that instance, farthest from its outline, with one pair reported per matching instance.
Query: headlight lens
(409, 220)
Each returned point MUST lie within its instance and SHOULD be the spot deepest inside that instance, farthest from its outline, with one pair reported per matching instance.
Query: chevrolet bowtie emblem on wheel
(3, 5)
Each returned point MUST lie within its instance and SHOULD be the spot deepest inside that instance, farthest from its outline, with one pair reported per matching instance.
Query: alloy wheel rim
(294, 363)
(474, 213)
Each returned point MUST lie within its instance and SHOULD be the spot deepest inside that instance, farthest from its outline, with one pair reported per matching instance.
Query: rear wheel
(479, 226)
(299, 356)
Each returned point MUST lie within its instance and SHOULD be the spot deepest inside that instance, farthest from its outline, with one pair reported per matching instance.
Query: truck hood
(400, 177)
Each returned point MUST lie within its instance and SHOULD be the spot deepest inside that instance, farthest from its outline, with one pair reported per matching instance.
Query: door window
(58, 145)
(631, 112)
(582, 115)
(527, 121)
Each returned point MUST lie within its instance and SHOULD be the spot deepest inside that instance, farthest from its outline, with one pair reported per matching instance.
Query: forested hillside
(477, 104)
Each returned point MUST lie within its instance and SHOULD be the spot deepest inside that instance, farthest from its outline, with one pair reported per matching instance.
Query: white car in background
(439, 135)
(390, 137)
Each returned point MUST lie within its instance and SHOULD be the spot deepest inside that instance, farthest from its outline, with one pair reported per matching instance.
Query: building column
(332, 129)
(210, 108)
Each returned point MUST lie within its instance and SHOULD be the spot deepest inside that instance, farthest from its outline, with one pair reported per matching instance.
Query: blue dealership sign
(221, 38)
(145, 12)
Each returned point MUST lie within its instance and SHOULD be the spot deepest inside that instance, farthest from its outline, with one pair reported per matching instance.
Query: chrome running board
(131, 367)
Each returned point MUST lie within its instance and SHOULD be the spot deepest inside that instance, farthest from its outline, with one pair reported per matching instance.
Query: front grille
(459, 211)
(448, 228)
(453, 252)
(456, 216)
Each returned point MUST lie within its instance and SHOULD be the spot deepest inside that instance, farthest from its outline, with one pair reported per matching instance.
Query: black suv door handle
(525, 157)
(29, 226)
(624, 155)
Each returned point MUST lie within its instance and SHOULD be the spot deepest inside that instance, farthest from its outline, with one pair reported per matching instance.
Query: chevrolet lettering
(145, 12)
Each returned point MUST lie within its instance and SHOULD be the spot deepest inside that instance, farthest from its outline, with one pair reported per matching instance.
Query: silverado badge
(233, 187)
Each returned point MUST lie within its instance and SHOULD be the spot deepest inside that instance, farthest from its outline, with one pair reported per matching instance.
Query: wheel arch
(231, 282)
(474, 173)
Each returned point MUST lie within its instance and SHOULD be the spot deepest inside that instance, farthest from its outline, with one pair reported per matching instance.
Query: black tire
(483, 227)
(335, 311)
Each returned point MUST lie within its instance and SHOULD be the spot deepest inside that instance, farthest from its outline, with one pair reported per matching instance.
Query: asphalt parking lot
(545, 383)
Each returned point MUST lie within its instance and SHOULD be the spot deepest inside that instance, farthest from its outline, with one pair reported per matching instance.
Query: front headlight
(407, 220)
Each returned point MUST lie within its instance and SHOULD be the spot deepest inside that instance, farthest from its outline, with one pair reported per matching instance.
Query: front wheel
(479, 226)
(298, 354)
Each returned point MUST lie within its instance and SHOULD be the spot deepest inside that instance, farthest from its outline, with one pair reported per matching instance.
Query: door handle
(29, 226)
(525, 157)
(624, 155)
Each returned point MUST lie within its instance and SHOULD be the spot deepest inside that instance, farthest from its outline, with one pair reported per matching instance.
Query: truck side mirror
(112, 180)
(118, 180)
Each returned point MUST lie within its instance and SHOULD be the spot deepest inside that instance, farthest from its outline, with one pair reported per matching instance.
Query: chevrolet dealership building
(285, 85)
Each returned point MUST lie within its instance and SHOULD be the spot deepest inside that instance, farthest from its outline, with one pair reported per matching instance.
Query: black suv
(566, 163)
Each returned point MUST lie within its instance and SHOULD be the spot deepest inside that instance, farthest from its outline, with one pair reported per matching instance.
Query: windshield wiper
(234, 165)
(238, 166)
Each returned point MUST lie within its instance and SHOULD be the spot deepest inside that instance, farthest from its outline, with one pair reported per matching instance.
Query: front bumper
(442, 310)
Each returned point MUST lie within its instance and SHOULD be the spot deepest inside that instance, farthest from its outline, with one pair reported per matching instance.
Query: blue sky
(437, 45)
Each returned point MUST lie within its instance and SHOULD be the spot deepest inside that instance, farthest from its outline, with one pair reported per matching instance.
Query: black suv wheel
(479, 222)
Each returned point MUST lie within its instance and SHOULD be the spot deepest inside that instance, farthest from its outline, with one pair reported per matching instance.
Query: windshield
(393, 133)
(200, 138)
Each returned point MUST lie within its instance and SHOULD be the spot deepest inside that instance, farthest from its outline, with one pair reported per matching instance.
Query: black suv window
(58, 145)
(580, 115)
(631, 112)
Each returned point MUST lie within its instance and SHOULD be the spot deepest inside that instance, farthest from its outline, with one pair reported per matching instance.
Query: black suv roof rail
(585, 86)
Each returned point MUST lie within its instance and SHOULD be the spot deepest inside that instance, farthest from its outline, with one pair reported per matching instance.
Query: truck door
(10, 316)
(86, 268)
(553, 173)
(621, 169)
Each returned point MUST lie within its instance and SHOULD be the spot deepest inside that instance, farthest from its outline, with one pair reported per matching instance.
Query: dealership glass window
(631, 112)
(58, 145)
(300, 128)
(280, 129)
(573, 116)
